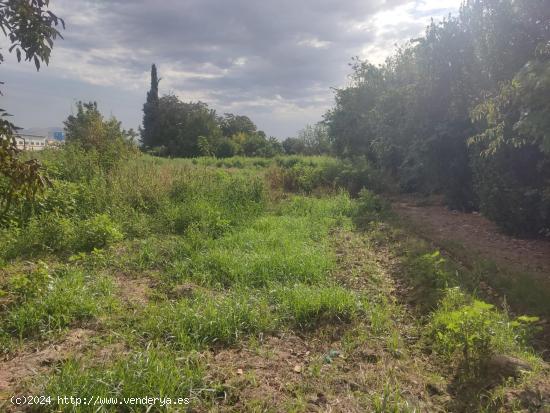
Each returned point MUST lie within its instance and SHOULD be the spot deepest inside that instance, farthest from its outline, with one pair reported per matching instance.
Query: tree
(183, 125)
(463, 111)
(150, 130)
(293, 146)
(31, 30)
(231, 124)
(89, 130)
(315, 139)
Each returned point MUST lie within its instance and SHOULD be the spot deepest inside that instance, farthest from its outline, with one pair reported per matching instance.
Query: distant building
(34, 142)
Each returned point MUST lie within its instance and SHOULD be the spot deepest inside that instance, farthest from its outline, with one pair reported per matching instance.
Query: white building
(31, 142)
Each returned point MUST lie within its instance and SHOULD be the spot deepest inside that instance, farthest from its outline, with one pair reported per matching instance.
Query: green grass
(207, 319)
(303, 306)
(153, 372)
(224, 260)
(68, 298)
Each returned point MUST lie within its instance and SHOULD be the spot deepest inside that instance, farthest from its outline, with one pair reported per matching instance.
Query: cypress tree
(150, 130)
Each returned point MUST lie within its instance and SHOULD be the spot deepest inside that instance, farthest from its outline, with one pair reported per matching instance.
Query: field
(251, 285)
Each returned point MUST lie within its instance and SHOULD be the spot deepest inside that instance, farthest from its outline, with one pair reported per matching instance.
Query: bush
(96, 232)
(370, 208)
(473, 328)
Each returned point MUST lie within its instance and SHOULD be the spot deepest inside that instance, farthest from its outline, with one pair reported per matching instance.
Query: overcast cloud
(274, 61)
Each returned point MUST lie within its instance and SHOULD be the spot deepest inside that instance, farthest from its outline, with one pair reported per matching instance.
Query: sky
(275, 61)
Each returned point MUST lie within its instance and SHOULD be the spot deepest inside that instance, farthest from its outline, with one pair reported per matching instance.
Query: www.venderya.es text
(98, 401)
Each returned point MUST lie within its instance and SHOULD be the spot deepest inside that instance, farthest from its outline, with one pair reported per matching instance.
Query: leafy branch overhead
(31, 29)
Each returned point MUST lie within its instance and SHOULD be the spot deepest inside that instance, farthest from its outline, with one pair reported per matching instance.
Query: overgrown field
(245, 284)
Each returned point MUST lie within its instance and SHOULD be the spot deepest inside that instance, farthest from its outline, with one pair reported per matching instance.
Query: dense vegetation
(259, 279)
(462, 110)
(208, 257)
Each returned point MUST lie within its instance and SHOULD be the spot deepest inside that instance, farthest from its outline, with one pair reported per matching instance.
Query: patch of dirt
(29, 363)
(133, 290)
(313, 373)
(480, 235)
(263, 373)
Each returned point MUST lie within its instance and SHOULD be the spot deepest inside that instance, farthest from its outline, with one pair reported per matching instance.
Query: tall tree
(463, 111)
(150, 130)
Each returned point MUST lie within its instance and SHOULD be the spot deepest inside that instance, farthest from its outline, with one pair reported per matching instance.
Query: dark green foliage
(182, 125)
(179, 129)
(293, 146)
(31, 29)
(461, 111)
(233, 124)
(370, 208)
(151, 128)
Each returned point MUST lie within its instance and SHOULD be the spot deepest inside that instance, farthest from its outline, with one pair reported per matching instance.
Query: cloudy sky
(273, 60)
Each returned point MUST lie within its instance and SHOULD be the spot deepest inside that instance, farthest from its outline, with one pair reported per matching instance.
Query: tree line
(463, 110)
(175, 128)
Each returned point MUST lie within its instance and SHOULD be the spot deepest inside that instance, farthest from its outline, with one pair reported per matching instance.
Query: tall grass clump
(205, 319)
(153, 372)
(305, 306)
(66, 297)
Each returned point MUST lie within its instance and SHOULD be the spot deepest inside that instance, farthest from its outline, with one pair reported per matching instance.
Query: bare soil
(480, 235)
(30, 362)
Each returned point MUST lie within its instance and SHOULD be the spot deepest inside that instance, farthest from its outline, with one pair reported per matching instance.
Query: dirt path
(478, 234)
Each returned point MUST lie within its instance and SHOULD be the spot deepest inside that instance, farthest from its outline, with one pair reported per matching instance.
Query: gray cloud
(257, 57)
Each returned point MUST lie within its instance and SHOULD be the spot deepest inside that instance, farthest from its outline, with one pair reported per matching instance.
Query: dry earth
(482, 236)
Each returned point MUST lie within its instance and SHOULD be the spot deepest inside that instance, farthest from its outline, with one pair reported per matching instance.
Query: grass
(69, 297)
(154, 371)
(306, 307)
(207, 320)
(309, 296)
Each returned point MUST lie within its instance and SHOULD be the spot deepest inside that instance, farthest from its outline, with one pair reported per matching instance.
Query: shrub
(370, 208)
(471, 327)
(96, 232)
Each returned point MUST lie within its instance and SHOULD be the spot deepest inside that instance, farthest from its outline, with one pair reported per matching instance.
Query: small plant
(97, 232)
(29, 285)
(370, 208)
(471, 327)
(380, 316)
(391, 400)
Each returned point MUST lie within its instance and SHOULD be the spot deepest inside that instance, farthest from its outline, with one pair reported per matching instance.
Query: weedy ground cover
(177, 268)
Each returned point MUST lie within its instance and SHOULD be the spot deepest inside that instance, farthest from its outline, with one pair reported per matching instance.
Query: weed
(471, 327)
(154, 372)
(307, 306)
(70, 297)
